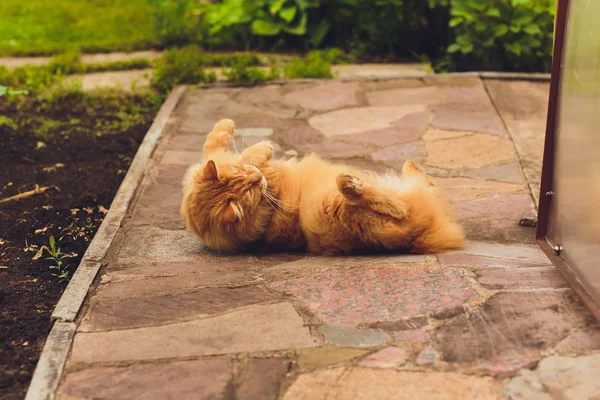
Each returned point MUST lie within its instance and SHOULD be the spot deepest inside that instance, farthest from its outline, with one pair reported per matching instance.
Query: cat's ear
(411, 168)
(231, 214)
(210, 172)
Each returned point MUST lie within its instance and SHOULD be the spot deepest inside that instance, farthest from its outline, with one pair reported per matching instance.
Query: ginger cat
(249, 200)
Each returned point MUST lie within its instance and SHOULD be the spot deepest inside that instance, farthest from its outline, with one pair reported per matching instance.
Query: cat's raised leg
(258, 153)
(220, 137)
(357, 193)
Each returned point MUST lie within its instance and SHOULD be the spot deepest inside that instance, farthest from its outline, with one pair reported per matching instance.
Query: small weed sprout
(57, 256)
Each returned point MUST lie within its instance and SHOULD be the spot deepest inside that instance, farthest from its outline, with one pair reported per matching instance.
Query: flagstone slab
(471, 261)
(459, 119)
(469, 152)
(254, 132)
(521, 278)
(505, 173)
(514, 327)
(433, 134)
(335, 150)
(261, 328)
(261, 378)
(424, 95)
(300, 134)
(400, 325)
(360, 119)
(151, 243)
(105, 314)
(464, 189)
(523, 108)
(407, 129)
(497, 218)
(517, 252)
(200, 379)
(390, 357)
(181, 157)
(158, 204)
(267, 98)
(214, 269)
(352, 296)
(428, 355)
(344, 383)
(398, 154)
(324, 97)
(558, 377)
(186, 142)
(316, 357)
(169, 175)
(171, 284)
(581, 341)
(420, 335)
(343, 336)
(310, 264)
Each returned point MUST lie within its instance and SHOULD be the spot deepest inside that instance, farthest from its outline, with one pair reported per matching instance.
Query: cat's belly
(284, 233)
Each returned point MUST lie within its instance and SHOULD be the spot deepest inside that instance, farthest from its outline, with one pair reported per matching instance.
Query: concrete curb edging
(48, 371)
(52, 362)
(73, 296)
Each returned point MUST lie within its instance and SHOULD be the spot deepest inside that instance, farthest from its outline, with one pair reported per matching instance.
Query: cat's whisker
(280, 203)
(277, 210)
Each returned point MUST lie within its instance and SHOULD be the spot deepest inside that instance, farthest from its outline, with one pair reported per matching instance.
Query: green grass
(40, 27)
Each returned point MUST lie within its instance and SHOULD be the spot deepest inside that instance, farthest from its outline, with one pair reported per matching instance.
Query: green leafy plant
(10, 92)
(177, 66)
(57, 256)
(314, 65)
(503, 34)
(263, 17)
(242, 72)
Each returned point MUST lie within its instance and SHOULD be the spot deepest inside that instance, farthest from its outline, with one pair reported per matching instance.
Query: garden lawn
(37, 27)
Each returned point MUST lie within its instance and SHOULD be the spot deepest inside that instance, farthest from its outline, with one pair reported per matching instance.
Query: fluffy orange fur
(239, 201)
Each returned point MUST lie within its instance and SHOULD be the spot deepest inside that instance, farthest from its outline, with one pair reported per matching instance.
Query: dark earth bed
(80, 147)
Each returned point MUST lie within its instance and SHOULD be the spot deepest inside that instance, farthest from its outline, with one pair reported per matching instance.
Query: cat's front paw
(225, 125)
(267, 148)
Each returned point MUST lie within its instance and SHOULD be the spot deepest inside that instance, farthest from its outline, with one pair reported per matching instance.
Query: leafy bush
(314, 65)
(176, 66)
(260, 17)
(503, 35)
(242, 72)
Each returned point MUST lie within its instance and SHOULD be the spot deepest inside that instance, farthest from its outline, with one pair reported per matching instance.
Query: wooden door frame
(547, 182)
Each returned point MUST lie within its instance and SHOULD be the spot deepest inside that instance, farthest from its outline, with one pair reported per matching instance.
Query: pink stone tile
(429, 355)
(401, 152)
(389, 357)
(351, 296)
(324, 97)
(413, 336)
(470, 260)
(407, 129)
(505, 366)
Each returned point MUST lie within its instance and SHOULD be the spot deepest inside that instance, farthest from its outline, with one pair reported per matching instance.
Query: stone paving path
(169, 319)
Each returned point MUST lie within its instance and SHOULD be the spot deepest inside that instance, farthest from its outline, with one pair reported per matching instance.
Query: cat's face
(226, 205)
(230, 191)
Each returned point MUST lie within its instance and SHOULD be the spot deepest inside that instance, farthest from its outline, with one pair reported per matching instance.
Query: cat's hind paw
(350, 186)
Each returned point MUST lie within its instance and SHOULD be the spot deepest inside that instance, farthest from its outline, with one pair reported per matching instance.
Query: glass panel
(576, 206)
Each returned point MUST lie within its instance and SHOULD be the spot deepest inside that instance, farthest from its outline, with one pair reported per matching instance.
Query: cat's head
(224, 204)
